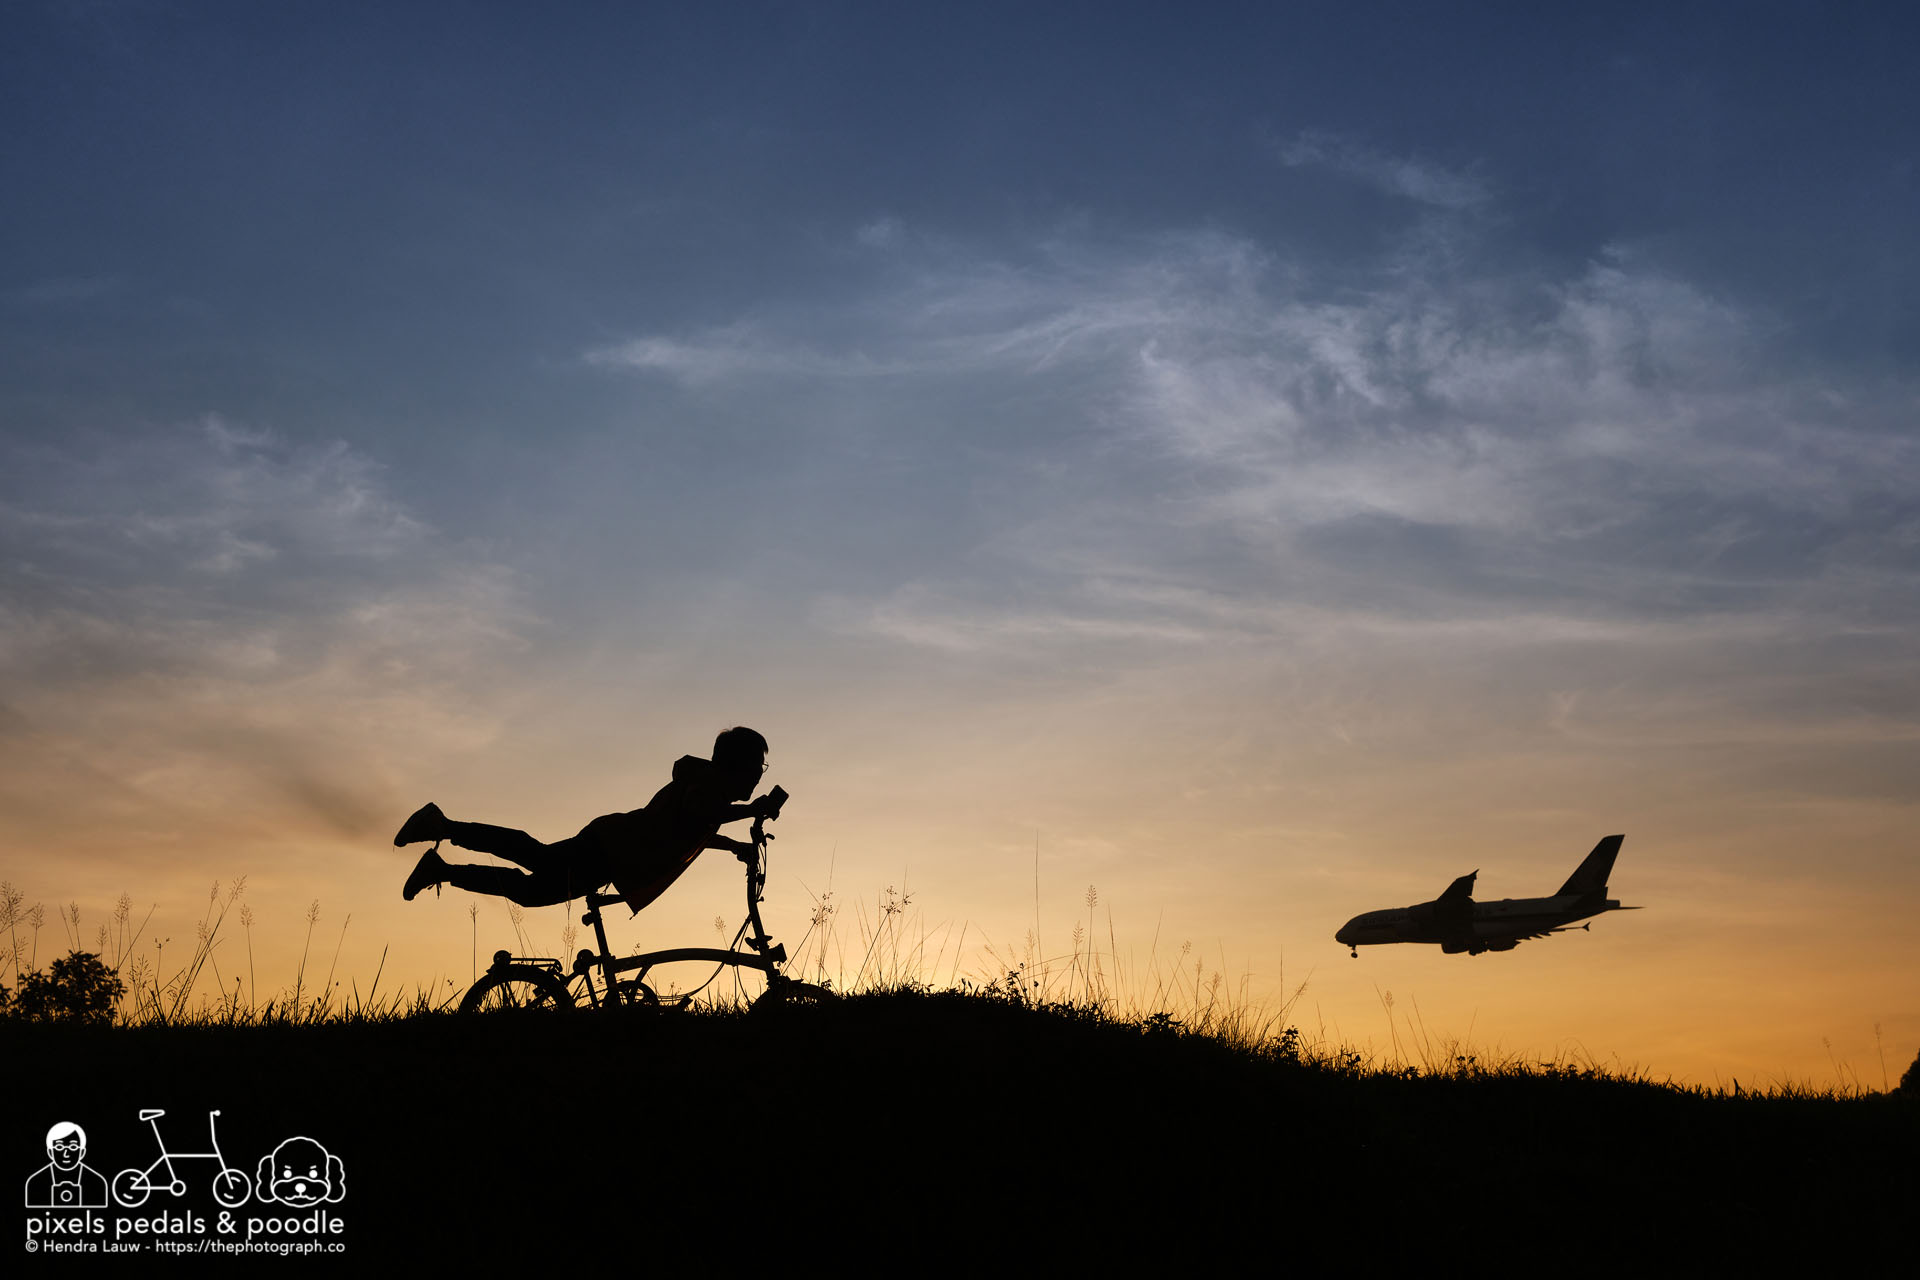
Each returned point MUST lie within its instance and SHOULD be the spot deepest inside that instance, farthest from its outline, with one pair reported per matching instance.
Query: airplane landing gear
(1354, 953)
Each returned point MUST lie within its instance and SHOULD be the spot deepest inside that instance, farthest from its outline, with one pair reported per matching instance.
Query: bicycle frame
(766, 957)
(131, 1187)
(546, 981)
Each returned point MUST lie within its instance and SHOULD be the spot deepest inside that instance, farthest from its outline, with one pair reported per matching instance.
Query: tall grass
(891, 950)
(155, 993)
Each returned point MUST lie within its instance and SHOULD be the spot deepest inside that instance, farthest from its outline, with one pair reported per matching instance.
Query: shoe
(429, 872)
(427, 823)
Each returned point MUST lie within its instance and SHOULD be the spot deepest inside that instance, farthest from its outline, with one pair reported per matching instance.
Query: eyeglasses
(71, 1144)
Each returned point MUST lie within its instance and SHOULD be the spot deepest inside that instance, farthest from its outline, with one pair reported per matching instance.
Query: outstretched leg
(428, 823)
(506, 842)
(529, 889)
(515, 886)
(562, 874)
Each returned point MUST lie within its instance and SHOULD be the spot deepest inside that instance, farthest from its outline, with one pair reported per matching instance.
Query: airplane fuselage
(1457, 923)
(1485, 926)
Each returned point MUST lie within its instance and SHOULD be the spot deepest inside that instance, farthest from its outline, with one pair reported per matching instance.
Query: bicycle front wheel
(232, 1187)
(517, 986)
(637, 995)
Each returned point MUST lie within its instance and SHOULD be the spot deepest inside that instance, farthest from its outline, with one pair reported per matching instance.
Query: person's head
(66, 1144)
(740, 755)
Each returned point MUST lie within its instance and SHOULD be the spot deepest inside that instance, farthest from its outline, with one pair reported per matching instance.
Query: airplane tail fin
(1590, 877)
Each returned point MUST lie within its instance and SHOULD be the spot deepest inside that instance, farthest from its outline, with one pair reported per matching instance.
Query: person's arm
(735, 812)
(740, 849)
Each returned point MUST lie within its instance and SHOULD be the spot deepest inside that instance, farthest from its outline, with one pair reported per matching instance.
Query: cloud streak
(1209, 457)
(1551, 415)
(231, 632)
(1418, 180)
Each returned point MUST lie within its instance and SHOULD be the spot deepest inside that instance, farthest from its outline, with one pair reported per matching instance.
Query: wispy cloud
(885, 232)
(735, 352)
(1541, 416)
(947, 314)
(63, 291)
(1412, 179)
(230, 631)
(916, 616)
(1205, 453)
(1396, 175)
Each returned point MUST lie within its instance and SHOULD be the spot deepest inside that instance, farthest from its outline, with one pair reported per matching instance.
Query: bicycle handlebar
(777, 799)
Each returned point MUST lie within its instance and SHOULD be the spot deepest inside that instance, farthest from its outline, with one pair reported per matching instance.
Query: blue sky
(1273, 454)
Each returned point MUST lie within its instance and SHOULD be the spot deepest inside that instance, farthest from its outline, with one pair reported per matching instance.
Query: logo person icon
(66, 1182)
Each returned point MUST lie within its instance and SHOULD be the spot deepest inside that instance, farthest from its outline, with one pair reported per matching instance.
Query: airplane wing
(1509, 943)
(1541, 933)
(1459, 891)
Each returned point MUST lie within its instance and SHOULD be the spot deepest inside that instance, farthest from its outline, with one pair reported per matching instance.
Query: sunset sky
(1270, 459)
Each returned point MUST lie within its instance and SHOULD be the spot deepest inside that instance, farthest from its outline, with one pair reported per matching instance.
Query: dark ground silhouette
(956, 1127)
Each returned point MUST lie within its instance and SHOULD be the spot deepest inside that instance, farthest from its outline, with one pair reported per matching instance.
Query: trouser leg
(555, 873)
(506, 842)
(535, 890)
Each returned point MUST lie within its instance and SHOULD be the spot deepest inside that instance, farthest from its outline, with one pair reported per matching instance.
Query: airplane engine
(1476, 946)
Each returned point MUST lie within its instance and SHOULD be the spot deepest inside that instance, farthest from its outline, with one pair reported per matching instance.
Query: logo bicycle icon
(131, 1187)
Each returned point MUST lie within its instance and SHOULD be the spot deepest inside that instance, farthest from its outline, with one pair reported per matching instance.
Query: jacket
(649, 848)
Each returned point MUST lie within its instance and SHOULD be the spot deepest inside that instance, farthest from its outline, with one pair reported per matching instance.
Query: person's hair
(738, 743)
(64, 1128)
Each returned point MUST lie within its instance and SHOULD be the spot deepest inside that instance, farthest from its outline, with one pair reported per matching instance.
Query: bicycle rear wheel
(130, 1188)
(517, 986)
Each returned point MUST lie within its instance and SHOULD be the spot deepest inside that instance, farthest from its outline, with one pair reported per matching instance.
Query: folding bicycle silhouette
(536, 982)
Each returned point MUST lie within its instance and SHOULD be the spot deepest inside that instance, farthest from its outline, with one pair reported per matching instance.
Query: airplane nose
(1343, 936)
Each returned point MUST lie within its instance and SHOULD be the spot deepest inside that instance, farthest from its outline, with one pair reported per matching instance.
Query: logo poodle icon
(302, 1173)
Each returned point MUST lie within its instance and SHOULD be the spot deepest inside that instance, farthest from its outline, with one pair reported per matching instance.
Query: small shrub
(78, 988)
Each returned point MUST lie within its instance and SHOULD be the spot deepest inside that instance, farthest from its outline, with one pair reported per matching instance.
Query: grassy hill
(960, 1124)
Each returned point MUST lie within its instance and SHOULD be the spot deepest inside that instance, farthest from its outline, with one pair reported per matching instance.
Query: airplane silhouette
(1458, 923)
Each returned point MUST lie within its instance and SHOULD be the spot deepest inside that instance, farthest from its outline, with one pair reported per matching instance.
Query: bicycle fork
(586, 961)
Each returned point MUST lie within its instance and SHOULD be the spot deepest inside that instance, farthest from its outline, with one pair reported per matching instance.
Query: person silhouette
(641, 852)
(65, 1181)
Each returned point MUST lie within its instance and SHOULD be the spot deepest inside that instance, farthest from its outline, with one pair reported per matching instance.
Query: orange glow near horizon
(1242, 882)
